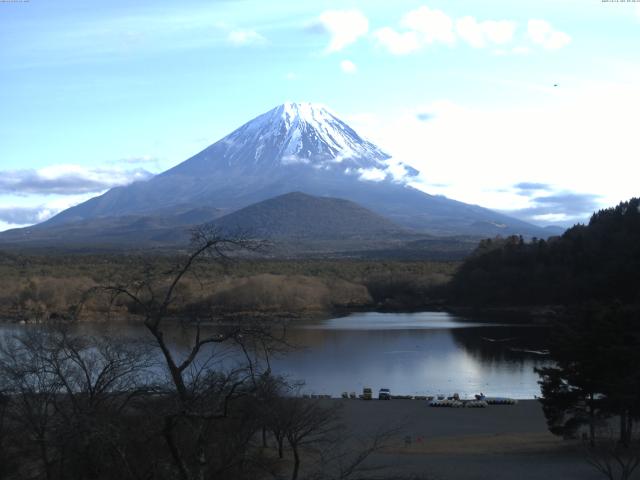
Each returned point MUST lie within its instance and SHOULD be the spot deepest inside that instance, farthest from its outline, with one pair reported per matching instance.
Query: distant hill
(296, 224)
(124, 232)
(595, 262)
(300, 216)
(553, 230)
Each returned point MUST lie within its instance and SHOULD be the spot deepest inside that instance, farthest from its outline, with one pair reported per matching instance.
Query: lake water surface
(413, 353)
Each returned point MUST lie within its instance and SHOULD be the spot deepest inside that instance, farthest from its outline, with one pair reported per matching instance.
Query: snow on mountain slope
(302, 134)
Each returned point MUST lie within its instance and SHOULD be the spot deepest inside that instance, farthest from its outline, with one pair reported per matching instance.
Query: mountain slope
(304, 148)
(300, 216)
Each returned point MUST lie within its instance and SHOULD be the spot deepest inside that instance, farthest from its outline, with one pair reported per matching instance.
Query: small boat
(446, 403)
(534, 352)
(499, 400)
(476, 404)
(498, 340)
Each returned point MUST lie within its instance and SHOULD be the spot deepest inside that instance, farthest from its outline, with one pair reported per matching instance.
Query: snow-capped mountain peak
(306, 136)
(310, 113)
(314, 126)
(306, 131)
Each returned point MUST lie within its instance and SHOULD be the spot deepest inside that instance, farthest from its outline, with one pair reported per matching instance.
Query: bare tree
(307, 424)
(614, 459)
(351, 456)
(67, 395)
(5, 457)
(204, 390)
(312, 430)
(34, 394)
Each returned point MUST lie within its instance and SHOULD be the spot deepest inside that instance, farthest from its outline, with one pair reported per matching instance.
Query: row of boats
(480, 401)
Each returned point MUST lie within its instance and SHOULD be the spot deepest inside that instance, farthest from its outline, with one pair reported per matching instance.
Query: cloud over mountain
(68, 179)
(22, 215)
(554, 207)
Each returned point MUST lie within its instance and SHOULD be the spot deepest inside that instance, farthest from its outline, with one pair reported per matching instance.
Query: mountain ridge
(296, 148)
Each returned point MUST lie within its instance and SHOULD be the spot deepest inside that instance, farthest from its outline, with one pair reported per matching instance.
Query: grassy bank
(42, 287)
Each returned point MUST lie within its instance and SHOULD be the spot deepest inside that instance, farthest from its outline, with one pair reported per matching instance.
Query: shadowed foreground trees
(596, 375)
(67, 399)
(594, 387)
(207, 397)
(613, 460)
(77, 407)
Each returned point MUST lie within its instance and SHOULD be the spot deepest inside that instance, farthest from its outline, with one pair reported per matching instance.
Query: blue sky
(98, 94)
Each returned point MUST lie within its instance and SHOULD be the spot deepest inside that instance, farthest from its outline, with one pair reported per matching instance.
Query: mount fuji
(295, 147)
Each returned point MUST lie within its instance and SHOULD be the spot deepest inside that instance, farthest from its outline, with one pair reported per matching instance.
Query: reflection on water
(417, 353)
(394, 321)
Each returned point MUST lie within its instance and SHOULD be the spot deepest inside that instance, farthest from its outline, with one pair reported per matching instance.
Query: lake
(423, 353)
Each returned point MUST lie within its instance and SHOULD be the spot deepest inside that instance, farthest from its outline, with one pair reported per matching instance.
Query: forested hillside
(595, 262)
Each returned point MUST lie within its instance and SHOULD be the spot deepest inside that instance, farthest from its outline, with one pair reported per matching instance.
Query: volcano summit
(295, 147)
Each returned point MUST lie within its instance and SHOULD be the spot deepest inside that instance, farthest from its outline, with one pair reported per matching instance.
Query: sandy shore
(496, 443)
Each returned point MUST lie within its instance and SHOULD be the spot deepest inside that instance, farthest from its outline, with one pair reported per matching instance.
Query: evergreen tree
(596, 375)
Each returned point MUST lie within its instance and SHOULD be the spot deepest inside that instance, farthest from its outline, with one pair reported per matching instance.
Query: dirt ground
(496, 443)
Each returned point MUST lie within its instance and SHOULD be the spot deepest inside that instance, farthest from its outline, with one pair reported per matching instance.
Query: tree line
(599, 261)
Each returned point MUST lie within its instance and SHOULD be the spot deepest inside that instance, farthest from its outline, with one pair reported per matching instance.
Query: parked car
(384, 394)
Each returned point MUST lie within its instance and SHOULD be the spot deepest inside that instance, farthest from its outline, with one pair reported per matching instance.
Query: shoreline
(539, 315)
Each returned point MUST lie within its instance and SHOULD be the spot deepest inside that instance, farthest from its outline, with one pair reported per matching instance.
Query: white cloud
(539, 31)
(242, 38)
(490, 32)
(499, 31)
(542, 33)
(423, 27)
(18, 216)
(372, 174)
(399, 171)
(552, 218)
(557, 40)
(470, 31)
(293, 160)
(344, 26)
(348, 67)
(68, 179)
(434, 26)
(398, 43)
(34, 195)
(578, 140)
(4, 226)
